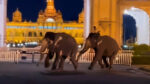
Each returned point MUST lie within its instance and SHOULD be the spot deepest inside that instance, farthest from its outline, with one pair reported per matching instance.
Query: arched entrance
(110, 13)
(142, 26)
(129, 30)
(140, 11)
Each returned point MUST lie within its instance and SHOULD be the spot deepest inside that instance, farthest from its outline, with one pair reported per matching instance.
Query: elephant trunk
(85, 48)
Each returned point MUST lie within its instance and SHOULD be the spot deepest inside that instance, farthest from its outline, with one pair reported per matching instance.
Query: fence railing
(9, 56)
(124, 57)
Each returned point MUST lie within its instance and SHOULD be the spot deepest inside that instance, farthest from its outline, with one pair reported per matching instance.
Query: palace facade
(49, 20)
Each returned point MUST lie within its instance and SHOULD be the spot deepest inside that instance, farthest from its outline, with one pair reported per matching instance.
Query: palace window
(41, 34)
(30, 34)
(35, 34)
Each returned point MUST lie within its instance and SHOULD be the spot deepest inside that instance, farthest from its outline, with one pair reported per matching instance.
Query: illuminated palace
(19, 31)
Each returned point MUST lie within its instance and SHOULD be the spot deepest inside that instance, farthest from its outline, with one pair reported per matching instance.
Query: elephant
(61, 44)
(104, 47)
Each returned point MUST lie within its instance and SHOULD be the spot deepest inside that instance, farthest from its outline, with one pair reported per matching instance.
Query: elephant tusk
(60, 38)
(99, 42)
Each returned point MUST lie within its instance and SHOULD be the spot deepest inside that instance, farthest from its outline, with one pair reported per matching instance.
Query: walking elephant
(104, 47)
(63, 45)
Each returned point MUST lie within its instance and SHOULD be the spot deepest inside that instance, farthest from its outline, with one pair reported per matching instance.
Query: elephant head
(47, 43)
(91, 42)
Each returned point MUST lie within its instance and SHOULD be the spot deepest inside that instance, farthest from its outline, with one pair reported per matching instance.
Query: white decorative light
(50, 20)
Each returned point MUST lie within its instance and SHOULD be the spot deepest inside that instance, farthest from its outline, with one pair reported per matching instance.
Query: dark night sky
(129, 27)
(30, 8)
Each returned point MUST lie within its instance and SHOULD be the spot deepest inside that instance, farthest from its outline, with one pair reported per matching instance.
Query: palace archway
(107, 16)
(142, 24)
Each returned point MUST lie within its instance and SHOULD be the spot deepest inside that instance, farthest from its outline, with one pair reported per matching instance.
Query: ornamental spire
(50, 9)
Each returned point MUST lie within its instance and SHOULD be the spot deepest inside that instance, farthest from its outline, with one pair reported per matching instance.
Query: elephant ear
(99, 42)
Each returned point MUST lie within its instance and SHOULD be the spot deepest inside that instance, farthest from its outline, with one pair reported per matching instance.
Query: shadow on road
(62, 73)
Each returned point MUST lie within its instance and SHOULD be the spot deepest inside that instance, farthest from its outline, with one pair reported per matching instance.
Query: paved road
(30, 74)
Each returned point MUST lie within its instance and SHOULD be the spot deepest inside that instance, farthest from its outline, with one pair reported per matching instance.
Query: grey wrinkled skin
(104, 46)
(63, 45)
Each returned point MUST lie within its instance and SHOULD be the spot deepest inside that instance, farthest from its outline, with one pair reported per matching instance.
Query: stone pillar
(87, 19)
(3, 14)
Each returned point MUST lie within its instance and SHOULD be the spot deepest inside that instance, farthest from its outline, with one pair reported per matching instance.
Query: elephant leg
(73, 58)
(100, 62)
(78, 56)
(111, 62)
(41, 58)
(74, 62)
(98, 56)
(61, 63)
(111, 58)
(46, 63)
(51, 55)
(56, 61)
(105, 61)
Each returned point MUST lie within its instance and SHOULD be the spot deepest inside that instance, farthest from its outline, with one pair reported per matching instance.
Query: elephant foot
(53, 68)
(76, 67)
(59, 70)
(102, 66)
(69, 62)
(90, 68)
(47, 65)
(107, 66)
(37, 64)
(110, 68)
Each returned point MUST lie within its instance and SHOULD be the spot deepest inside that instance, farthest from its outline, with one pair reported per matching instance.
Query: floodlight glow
(50, 20)
(79, 46)
(21, 44)
(117, 58)
(18, 44)
(8, 45)
(126, 11)
(125, 46)
(14, 45)
(133, 8)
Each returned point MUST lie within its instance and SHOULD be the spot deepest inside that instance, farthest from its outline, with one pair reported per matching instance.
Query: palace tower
(17, 16)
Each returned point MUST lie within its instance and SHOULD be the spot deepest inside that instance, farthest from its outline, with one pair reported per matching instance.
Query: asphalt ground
(31, 74)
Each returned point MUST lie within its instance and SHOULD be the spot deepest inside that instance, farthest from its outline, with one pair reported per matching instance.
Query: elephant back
(67, 44)
(109, 44)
